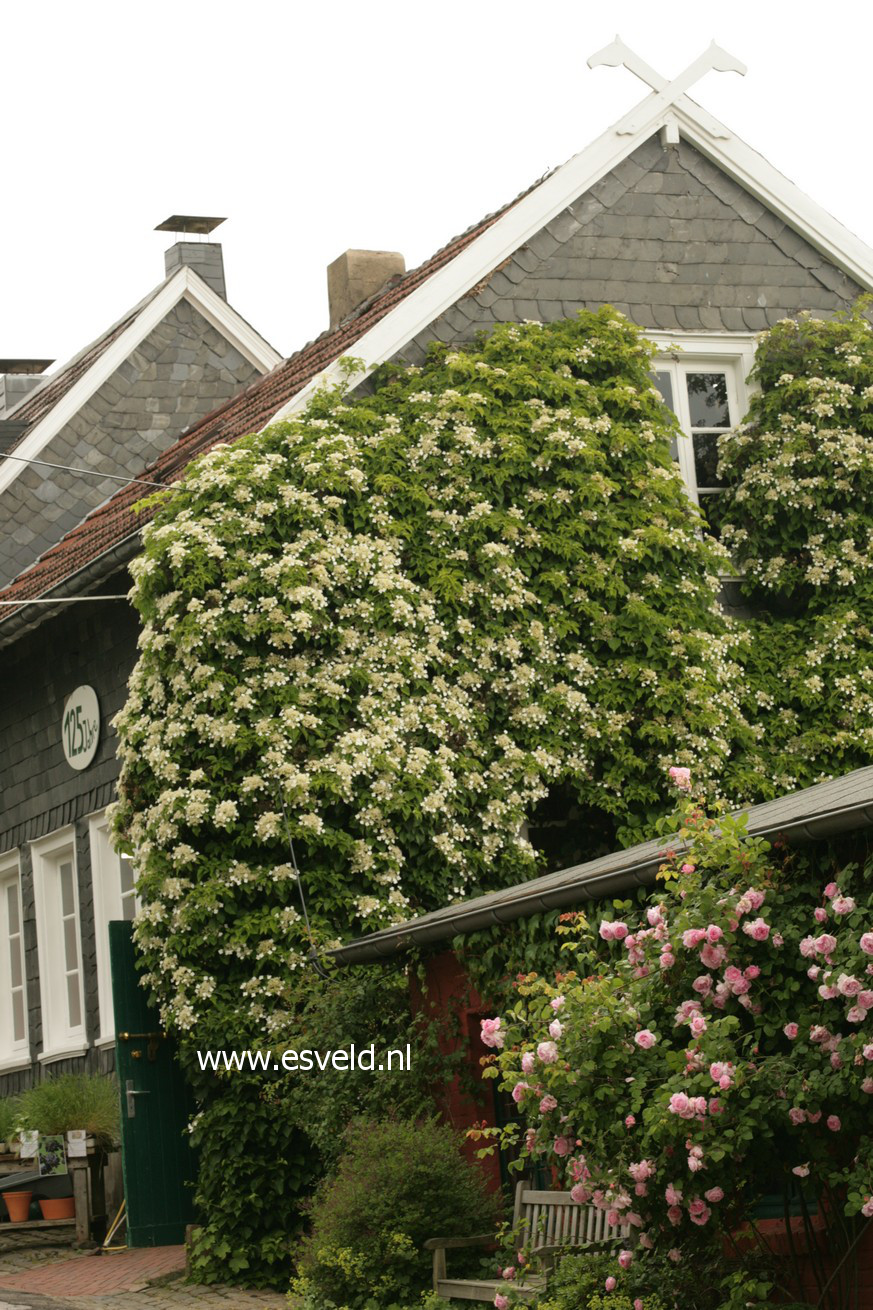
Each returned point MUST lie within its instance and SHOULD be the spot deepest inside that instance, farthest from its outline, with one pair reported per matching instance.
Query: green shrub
(73, 1100)
(8, 1117)
(579, 1283)
(399, 1183)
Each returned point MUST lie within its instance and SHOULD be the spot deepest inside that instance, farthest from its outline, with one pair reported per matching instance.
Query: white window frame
(13, 1054)
(108, 899)
(60, 1038)
(732, 353)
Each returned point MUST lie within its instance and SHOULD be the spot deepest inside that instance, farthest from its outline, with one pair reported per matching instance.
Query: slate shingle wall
(39, 792)
(669, 240)
(184, 369)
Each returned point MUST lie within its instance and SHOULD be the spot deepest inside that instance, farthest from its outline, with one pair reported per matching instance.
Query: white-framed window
(59, 946)
(14, 1038)
(114, 898)
(703, 379)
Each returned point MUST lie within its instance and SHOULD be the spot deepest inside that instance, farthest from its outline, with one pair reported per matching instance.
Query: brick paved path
(35, 1274)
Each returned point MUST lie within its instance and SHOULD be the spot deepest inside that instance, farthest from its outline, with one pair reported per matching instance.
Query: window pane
(664, 383)
(15, 961)
(128, 907)
(71, 953)
(707, 400)
(67, 902)
(126, 876)
(18, 1016)
(12, 903)
(73, 1002)
(706, 460)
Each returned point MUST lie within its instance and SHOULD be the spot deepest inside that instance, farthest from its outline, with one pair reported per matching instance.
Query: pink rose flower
(672, 1195)
(866, 943)
(796, 1115)
(857, 1014)
(820, 914)
(712, 957)
(556, 1002)
(847, 985)
(491, 1034)
(562, 1146)
(547, 1052)
(687, 868)
(813, 1116)
(518, 1092)
(645, 1039)
(698, 1025)
(802, 1170)
(715, 1194)
(807, 947)
(865, 1000)
(702, 984)
(833, 1122)
(867, 1208)
(680, 777)
(580, 1194)
(645, 1242)
(757, 929)
(714, 933)
(842, 905)
(692, 937)
(508, 1272)
(527, 1062)
(674, 1214)
(752, 972)
(625, 1259)
(641, 1170)
(638, 1303)
(548, 1103)
(675, 1255)
(755, 898)
(791, 1030)
(826, 944)
(831, 890)
(629, 1121)
(610, 1284)
(867, 1085)
(666, 959)
(556, 1029)
(501, 1302)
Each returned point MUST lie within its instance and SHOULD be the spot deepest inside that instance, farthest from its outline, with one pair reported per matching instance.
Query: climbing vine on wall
(407, 618)
(797, 517)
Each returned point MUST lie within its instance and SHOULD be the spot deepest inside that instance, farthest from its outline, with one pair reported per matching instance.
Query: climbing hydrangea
(389, 629)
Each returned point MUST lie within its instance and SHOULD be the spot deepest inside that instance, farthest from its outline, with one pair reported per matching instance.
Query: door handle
(131, 1093)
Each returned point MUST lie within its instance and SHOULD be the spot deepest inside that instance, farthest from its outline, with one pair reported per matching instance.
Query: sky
(392, 126)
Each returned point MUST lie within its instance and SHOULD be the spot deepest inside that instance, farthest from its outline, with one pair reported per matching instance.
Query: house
(667, 216)
(69, 439)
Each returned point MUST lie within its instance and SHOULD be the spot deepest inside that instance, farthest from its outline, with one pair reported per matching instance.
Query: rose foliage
(713, 1048)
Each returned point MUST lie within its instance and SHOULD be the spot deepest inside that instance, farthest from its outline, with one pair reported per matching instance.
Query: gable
(181, 370)
(671, 241)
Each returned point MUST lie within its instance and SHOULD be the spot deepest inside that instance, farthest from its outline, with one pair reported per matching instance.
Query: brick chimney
(356, 276)
(205, 257)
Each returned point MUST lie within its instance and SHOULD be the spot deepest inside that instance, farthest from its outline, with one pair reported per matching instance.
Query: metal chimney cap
(25, 365)
(194, 223)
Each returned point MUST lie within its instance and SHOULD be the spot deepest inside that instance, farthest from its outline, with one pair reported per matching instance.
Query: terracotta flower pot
(58, 1207)
(18, 1205)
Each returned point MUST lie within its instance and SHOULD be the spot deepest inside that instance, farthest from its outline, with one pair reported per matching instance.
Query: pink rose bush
(672, 1091)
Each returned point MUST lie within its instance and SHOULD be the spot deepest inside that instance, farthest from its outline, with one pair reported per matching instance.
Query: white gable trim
(185, 284)
(422, 306)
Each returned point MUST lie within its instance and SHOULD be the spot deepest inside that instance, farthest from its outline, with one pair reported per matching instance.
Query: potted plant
(83, 1107)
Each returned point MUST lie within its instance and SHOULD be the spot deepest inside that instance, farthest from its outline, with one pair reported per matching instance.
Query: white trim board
(530, 214)
(185, 284)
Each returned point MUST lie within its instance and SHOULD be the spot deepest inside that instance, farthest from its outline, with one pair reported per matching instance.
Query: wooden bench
(546, 1221)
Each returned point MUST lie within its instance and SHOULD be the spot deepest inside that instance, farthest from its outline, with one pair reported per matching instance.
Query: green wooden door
(156, 1106)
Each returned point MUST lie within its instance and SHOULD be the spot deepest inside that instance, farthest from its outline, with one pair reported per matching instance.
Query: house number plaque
(80, 727)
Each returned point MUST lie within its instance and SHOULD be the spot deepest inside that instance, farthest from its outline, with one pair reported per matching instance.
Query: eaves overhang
(827, 809)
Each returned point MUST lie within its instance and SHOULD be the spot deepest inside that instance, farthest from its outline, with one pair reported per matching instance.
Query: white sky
(386, 125)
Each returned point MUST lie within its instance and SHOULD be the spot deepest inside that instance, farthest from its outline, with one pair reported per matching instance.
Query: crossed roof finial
(667, 93)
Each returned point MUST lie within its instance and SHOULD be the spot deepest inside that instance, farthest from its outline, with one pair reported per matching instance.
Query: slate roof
(115, 522)
(37, 403)
(826, 809)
